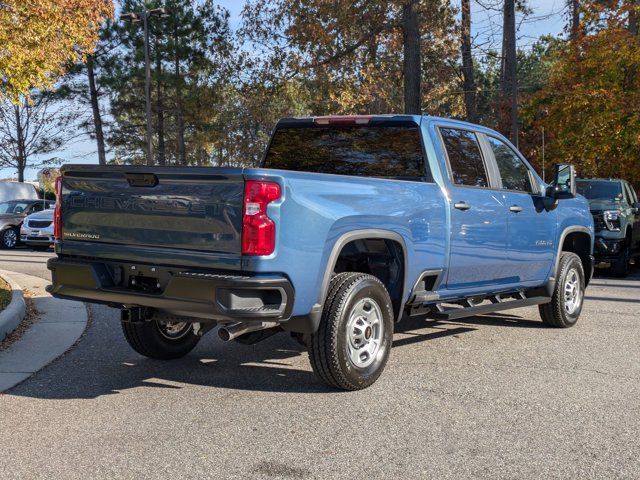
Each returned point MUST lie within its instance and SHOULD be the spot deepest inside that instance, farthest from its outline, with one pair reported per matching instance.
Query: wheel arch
(578, 240)
(398, 248)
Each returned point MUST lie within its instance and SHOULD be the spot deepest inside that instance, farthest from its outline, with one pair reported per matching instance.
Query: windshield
(373, 151)
(13, 207)
(610, 191)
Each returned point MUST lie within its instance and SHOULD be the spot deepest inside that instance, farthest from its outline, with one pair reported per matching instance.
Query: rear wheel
(568, 295)
(162, 340)
(9, 238)
(351, 347)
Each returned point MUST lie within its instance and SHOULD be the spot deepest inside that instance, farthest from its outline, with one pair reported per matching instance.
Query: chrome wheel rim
(173, 330)
(572, 292)
(364, 332)
(10, 238)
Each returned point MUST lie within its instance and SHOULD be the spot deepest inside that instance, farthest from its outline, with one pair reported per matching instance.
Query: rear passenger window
(465, 158)
(514, 173)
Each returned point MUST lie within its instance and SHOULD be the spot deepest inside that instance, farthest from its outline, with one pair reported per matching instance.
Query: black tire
(9, 238)
(147, 338)
(620, 268)
(330, 346)
(558, 313)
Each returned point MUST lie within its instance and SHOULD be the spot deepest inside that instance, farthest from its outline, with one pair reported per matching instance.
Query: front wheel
(9, 238)
(351, 347)
(568, 295)
(620, 268)
(161, 340)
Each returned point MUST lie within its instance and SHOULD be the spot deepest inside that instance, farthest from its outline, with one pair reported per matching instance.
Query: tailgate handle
(142, 179)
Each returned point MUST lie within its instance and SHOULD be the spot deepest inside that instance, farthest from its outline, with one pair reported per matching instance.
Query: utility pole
(144, 18)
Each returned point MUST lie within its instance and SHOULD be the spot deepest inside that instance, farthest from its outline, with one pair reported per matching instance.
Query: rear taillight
(258, 230)
(57, 212)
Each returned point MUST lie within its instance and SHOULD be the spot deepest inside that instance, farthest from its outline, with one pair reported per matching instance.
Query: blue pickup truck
(349, 225)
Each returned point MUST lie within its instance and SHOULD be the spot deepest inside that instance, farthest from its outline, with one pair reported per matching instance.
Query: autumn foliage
(40, 38)
(590, 107)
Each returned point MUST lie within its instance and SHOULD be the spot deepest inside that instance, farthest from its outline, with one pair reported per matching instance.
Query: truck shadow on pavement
(441, 329)
(103, 364)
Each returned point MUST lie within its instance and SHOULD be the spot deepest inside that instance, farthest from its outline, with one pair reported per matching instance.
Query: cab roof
(597, 179)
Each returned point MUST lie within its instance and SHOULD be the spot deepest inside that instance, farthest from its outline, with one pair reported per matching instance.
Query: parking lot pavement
(27, 261)
(495, 396)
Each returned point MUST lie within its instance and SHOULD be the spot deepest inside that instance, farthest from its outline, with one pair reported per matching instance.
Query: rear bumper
(208, 296)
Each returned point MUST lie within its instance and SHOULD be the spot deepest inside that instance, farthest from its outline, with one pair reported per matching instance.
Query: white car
(37, 230)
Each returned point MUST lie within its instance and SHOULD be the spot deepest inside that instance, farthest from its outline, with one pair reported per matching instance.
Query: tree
(31, 128)
(365, 56)
(192, 60)
(632, 23)
(83, 86)
(40, 38)
(591, 102)
(468, 81)
(412, 67)
(574, 25)
(509, 82)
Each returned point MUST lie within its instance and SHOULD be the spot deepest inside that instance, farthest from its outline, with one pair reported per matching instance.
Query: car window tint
(629, 194)
(465, 158)
(514, 173)
(365, 151)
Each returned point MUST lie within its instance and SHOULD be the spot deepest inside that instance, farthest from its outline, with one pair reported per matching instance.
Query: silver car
(37, 230)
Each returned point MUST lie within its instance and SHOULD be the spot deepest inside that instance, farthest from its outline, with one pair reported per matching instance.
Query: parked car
(13, 190)
(12, 214)
(616, 214)
(350, 224)
(37, 230)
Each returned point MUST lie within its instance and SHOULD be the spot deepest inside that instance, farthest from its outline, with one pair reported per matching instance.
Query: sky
(547, 18)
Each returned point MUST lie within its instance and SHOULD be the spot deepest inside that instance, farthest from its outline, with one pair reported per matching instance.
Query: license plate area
(144, 284)
(140, 278)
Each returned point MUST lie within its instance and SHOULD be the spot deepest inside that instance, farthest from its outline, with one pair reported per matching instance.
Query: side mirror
(636, 207)
(564, 183)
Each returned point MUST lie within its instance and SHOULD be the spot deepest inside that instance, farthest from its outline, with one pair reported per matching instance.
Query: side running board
(497, 304)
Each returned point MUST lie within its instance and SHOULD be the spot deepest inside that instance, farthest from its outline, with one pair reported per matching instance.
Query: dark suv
(616, 217)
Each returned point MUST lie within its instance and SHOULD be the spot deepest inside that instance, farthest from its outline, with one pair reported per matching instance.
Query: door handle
(462, 206)
(515, 208)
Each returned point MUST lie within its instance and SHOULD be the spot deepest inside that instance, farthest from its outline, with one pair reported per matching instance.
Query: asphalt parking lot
(497, 396)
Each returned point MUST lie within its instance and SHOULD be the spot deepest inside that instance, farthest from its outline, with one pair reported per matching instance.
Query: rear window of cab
(363, 151)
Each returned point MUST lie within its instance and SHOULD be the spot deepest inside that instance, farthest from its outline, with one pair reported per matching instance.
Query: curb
(59, 325)
(14, 313)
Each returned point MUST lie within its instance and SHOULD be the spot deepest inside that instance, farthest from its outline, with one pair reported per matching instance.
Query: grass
(5, 294)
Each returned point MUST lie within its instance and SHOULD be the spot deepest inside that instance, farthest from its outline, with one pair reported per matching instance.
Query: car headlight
(612, 220)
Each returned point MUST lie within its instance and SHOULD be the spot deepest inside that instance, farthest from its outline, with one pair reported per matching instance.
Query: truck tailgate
(164, 208)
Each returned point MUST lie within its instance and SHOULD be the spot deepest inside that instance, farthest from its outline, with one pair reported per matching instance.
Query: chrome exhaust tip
(234, 330)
